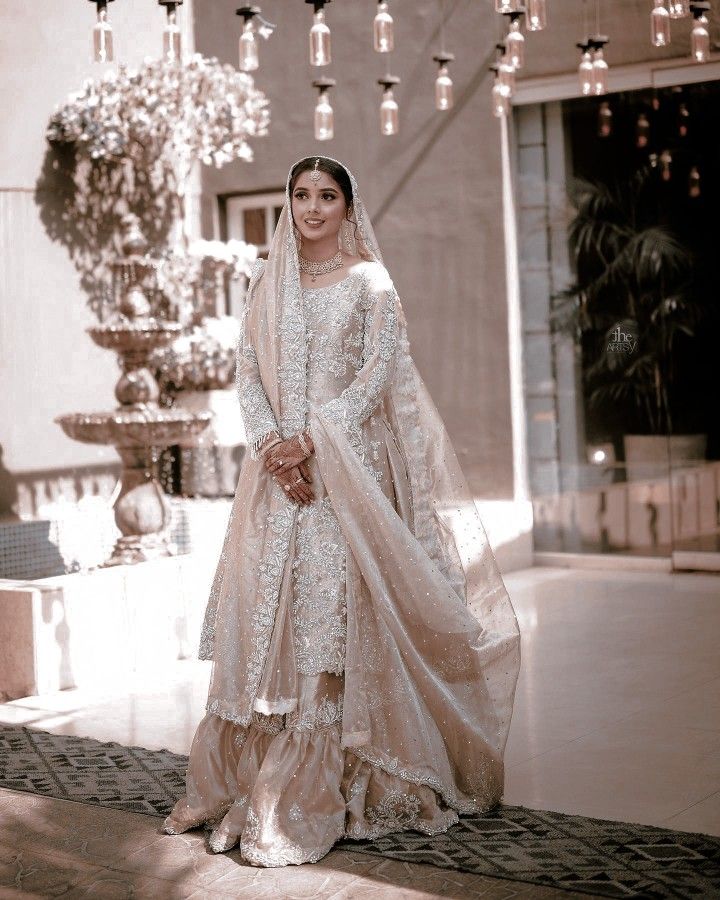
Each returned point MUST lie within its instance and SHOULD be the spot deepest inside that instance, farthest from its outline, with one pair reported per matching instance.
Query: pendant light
(515, 39)
(507, 6)
(536, 15)
(700, 35)
(600, 66)
(505, 69)
(320, 50)
(389, 122)
(383, 29)
(249, 60)
(443, 83)
(501, 95)
(172, 41)
(605, 117)
(102, 34)
(642, 131)
(694, 182)
(660, 25)
(324, 115)
(679, 9)
(585, 69)
(666, 165)
(683, 120)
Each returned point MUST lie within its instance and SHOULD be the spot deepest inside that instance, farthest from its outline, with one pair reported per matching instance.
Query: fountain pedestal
(139, 429)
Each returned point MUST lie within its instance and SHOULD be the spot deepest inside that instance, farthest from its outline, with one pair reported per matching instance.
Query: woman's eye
(328, 196)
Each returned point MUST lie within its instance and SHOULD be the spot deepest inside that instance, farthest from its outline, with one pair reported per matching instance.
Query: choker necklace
(320, 268)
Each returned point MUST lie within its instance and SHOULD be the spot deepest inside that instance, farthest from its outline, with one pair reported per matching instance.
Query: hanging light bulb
(505, 69)
(700, 35)
(605, 117)
(383, 30)
(507, 6)
(536, 15)
(683, 120)
(660, 25)
(585, 69)
(248, 46)
(694, 182)
(324, 116)
(102, 34)
(388, 108)
(642, 131)
(665, 160)
(320, 51)
(172, 41)
(443, 82)
(501, 94)
(515, 40)
(600, 66)
(679, 9)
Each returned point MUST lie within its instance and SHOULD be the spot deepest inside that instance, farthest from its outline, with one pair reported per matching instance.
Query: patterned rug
(574, 853)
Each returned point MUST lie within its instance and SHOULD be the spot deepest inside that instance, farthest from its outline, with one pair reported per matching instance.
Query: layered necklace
(320, 268)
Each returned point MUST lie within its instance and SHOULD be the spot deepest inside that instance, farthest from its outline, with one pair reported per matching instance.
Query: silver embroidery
(326, 714)
(295, 814)
(319, 611)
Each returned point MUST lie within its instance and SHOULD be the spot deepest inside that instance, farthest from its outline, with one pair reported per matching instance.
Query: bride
(365, 650)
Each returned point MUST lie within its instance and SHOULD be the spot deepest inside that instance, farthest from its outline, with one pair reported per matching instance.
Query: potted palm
(631, 302)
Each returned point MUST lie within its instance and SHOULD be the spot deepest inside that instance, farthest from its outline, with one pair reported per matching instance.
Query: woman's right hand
(298, 481)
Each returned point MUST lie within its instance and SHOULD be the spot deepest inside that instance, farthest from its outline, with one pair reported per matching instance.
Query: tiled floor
(617, 716)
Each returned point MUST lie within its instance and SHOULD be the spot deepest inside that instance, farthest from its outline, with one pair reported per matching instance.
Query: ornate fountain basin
(135, 427)
(142, 335)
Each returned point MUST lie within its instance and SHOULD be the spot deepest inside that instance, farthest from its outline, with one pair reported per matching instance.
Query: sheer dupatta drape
(433, 648)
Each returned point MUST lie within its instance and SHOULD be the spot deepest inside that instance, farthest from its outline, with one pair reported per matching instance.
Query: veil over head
(433, 645)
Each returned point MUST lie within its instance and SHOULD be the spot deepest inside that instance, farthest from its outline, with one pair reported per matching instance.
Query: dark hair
(330, 167)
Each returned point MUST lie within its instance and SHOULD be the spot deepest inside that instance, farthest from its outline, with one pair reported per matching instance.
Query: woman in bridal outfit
(365, 650)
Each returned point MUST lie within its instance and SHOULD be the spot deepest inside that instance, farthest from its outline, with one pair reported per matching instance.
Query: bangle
(303, 445)
(270, 444)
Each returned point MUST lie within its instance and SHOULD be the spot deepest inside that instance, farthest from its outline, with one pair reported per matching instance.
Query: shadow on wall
(81, 205)
(8, 492)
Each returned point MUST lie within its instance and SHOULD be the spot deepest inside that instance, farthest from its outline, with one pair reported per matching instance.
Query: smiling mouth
(314, 221)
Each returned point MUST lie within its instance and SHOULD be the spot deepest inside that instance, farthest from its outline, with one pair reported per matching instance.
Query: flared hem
(290, 795)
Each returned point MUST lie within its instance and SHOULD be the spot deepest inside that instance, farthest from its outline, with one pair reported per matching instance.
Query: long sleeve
(380, 342)
(257, 414)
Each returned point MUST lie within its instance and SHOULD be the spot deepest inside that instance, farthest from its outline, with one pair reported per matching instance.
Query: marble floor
(617, 716)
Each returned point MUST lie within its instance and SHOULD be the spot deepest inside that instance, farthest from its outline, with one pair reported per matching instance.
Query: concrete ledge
(98, 628)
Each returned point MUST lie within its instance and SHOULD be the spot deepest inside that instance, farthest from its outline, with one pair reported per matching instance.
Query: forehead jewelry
(315, 174)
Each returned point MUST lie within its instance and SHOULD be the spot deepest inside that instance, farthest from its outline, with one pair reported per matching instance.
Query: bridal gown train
(353, 692)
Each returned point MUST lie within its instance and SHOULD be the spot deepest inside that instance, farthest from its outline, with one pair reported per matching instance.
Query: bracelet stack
(303, 445)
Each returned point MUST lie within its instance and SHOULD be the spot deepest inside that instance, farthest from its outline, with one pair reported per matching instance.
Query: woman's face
(318, 208)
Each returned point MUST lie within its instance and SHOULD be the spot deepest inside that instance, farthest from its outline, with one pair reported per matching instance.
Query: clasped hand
(286, 462)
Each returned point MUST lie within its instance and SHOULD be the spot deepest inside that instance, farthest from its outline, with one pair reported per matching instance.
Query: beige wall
(48, 365)
(434, 192)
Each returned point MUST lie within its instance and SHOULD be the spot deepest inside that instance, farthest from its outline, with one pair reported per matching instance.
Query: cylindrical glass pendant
(500, 99)
(586, 75)
(443, 89)
(694, 182)
(506, 6)
(102, 37)
(600, 73)
(666, 165)
(383, 31)
(605, 116)
(515, 43)
(642, 131)
(249, 60)
(536, 15)
(506, 75)
(679, 9)
(324, 118)
(320, 54)
(389, 122)
(660, 25)
(172, 42)
(700, 40)
(683, 120)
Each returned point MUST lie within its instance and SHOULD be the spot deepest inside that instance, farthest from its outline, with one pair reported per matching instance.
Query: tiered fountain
(139, 428)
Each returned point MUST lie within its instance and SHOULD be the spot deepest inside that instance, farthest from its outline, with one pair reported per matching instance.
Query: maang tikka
(316, 174)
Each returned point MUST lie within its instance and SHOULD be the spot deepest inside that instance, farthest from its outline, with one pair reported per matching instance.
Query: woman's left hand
(284, 456)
